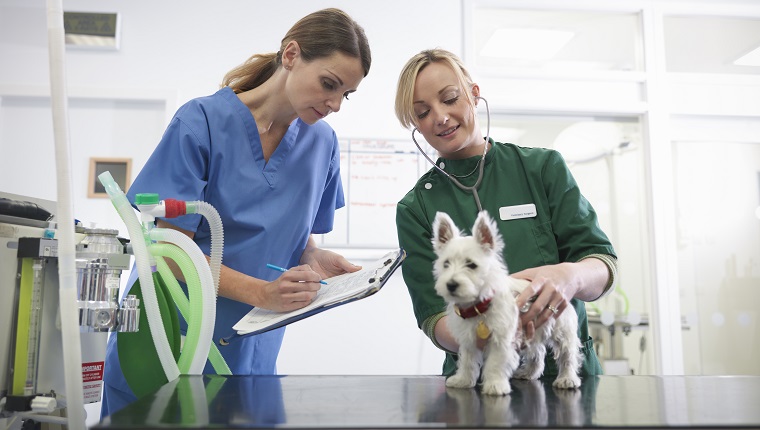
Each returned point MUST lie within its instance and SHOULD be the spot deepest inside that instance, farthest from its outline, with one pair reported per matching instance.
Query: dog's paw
(521, 374)
(526, 373)
(460, 381)
(496, 388)
(567, 382)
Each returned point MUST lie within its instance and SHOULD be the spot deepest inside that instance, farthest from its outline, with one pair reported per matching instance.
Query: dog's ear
(443, 230)
(486, 233)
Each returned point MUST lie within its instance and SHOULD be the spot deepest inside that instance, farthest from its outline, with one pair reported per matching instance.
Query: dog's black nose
(452, 285)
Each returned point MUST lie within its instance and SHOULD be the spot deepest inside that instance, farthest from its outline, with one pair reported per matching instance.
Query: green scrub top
(564, 228)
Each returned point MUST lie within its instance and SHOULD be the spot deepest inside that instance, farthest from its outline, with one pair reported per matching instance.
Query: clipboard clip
(373, 278)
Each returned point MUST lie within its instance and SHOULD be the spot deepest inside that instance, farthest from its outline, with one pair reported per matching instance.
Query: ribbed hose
(217, 237)
(143, 263)
(183, 304)
(202, 300)
(193, 314)
(215, 262)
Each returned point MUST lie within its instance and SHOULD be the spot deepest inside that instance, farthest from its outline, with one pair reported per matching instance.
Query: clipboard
(340, 290)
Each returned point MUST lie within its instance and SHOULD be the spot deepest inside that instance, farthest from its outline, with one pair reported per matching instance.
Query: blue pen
(272, 266)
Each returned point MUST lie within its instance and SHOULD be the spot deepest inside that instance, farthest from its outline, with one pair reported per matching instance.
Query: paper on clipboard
(339, 290)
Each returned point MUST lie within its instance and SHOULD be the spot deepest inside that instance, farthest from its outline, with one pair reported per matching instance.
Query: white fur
(469, 269)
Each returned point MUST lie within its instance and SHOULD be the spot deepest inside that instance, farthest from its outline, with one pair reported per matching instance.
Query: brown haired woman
(257, 151)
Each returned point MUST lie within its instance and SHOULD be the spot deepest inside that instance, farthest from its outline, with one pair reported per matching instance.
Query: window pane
(555, 40)
(718, 211)
(711, 44)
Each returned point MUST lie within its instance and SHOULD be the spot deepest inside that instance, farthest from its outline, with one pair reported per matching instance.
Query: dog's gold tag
(482, 331)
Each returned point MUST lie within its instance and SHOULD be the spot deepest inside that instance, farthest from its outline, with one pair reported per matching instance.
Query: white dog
(473, 279)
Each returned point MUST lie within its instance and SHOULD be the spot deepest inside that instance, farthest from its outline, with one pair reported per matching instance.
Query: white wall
(186, 47)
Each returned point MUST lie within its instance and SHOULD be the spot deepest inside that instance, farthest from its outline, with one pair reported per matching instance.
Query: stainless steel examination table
(409, 402)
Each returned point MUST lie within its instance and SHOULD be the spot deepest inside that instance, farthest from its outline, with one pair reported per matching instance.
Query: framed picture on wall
(119, 168)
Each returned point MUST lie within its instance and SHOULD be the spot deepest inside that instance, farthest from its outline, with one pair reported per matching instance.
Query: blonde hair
(408, 77)
(319, 35)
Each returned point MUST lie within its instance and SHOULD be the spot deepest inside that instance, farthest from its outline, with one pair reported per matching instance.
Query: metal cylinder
(97, 282)
(129, 314)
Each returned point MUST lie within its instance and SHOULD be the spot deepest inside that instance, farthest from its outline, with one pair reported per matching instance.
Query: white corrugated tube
(207, 300)
(217, 236)
(143, 262)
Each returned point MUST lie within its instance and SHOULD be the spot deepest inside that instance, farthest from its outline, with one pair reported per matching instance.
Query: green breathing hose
(193, 289)
(191, 310)
(182, 302)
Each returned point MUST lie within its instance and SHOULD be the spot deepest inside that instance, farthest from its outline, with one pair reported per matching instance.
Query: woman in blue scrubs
(257, 151)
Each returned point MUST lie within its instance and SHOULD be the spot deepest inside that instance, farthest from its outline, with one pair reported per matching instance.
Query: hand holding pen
(293, 289)
(278, 268)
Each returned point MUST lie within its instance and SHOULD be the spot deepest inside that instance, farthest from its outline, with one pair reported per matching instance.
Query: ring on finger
(527, 304)
(553, 309)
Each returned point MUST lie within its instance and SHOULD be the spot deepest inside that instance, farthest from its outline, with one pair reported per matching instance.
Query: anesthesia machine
(151, 349)
(32, 379)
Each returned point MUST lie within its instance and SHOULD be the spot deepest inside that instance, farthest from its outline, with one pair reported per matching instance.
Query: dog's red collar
(474, 310)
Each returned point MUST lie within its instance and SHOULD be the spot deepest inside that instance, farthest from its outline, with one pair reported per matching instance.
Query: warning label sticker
(92, 381)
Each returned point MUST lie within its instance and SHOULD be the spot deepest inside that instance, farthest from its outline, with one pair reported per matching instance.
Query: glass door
(717, 184)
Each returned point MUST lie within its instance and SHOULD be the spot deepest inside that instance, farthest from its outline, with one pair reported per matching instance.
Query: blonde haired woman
(551, 233)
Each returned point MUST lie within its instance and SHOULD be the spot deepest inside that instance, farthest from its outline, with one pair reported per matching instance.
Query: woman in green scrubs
(551, 233)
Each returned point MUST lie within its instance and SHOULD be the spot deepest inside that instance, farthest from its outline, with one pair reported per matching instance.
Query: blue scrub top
(211, 151)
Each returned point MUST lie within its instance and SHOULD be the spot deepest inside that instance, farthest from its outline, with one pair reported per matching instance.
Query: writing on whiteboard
(376, 174)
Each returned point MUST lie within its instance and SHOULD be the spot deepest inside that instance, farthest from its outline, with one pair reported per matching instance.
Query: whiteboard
(376, 174)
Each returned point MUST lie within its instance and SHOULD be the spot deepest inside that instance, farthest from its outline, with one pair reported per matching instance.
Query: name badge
(507, 213)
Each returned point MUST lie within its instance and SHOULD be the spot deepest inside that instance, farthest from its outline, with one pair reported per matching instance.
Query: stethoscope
(481, 163)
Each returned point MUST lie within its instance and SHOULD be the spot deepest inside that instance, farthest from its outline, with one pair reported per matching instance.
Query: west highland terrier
(471, 276)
